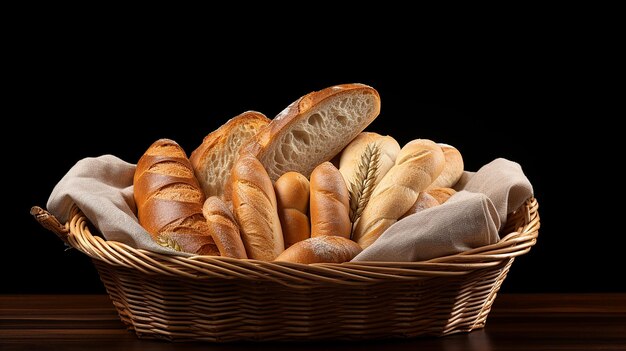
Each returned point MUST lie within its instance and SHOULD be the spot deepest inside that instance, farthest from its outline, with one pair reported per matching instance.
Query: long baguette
(169, 200)
(418, 164)
(255, 208)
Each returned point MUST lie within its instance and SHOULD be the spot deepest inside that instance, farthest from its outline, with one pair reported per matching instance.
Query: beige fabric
(471, 218)
(102, 189)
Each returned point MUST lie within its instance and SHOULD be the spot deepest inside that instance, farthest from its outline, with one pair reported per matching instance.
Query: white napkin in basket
(471, 218)
(102, 187)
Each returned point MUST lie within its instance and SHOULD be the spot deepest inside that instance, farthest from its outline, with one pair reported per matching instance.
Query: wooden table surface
(516, 322)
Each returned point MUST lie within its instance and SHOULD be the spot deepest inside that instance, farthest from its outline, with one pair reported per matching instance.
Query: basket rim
(522, 228)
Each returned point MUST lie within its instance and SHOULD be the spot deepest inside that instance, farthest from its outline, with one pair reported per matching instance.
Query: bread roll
(314, 129)
(223, 228)
(424, 201)
(363, 164)
(441, 194)
(169, 200)
(255, 208)
(452, 170)
(213, 160)
(417, 165)
(292, 196)
(321, 249)
(330, 204)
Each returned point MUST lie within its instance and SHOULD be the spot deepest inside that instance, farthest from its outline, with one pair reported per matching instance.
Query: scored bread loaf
(452, 169)
(321, 249)
(169, 200)
(418, 164)
(363, 163)
(223, 228)
(424, 201)
(330, 203)
(292, 197)
(314, 129)
(214, 158)
(441, 194)
(255, 208)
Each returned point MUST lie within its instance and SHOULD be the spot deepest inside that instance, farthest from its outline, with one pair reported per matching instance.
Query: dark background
(530, 102)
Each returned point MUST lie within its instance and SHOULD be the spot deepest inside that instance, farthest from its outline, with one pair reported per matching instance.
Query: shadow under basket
(218, 299)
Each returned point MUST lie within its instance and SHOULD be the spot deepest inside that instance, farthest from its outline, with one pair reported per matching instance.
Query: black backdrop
(513, 105)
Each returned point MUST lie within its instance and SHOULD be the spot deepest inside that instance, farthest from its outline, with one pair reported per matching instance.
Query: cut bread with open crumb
(213, 159)
(314, 128)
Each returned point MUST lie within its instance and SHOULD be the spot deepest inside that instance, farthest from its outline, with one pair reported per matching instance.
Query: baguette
(314, 129)
(441, 194)
(424, 201)
(223, 228)
(213, 160)
(330, 204)
(452, 170)
(363, 164)
(255, 208)
(169, 200)
(292, 197)
(418, 164)
(321, 249)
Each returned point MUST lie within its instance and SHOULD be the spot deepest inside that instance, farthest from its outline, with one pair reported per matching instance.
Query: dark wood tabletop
(516, 322)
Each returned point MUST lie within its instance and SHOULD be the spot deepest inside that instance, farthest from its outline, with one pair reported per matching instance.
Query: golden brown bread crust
(214, 158)
(321, 249)
(330, 203)
(452, 170)
(169, 199)
(441, 194)
(418, 164)
(292, 196)
(223, 228)
(255, 209)
(294, 114)
(424, 201)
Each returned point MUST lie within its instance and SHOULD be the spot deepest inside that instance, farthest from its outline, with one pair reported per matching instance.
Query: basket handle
(48, 221)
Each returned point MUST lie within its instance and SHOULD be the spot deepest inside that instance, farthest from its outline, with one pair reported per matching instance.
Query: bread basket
(218, 299)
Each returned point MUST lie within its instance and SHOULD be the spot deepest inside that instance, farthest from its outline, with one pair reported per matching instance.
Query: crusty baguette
(452, 170)
(292, 196)
(417, 165)
(314, 128)
(363, 163)
(321, 249)
(330, 204)
(255, 208)
(352, 156)
(214, 158)
(169, 199)
(424, 201)
(223, 227)
(441, 194)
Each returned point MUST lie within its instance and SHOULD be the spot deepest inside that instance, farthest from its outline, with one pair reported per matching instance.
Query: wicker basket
(221, 299)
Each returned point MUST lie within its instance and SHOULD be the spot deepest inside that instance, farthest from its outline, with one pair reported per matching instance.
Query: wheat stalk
(363, 185)
(166, 241)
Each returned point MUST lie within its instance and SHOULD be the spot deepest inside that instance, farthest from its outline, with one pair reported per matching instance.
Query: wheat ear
(363, 185)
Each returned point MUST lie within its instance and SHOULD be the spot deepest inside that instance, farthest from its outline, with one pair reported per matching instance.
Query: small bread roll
(330, 203)
(321, 249)
(452, 170)
(424, 201)
(292, 196)
(441, 194)
(254, 203)
(223, 228)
